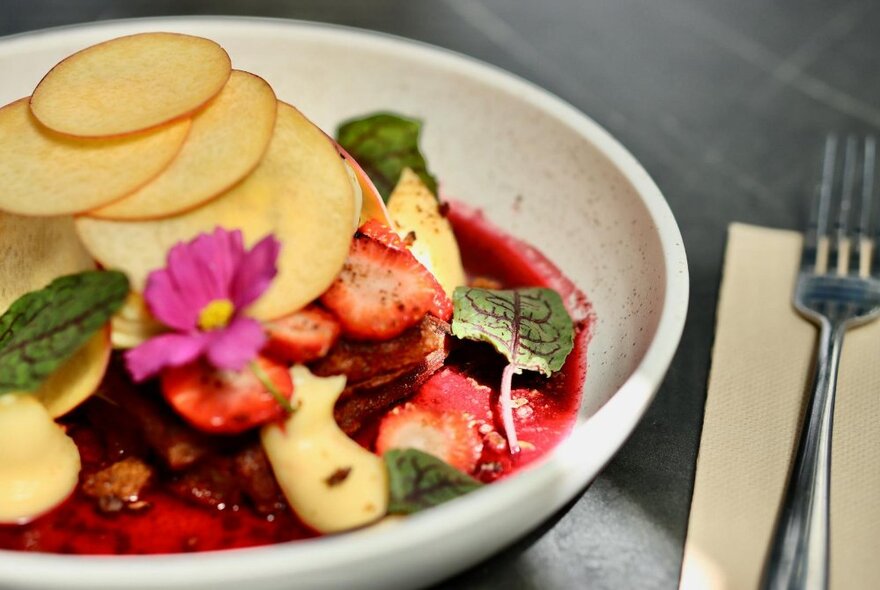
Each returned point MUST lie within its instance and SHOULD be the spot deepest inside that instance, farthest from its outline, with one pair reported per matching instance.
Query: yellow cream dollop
(330, 481)
(39, 463)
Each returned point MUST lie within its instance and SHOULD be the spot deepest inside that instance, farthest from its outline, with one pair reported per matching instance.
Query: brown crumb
(338, 476)
(119, 486)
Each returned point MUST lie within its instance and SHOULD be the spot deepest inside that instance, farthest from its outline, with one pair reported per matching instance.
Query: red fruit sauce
(546, 410)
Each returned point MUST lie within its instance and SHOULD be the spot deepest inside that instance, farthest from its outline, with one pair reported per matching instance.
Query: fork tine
(871, 238)
(817, 226)
(839, 243)
(860, 256)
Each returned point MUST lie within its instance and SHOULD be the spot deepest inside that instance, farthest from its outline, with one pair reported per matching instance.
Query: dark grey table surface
(724, 102)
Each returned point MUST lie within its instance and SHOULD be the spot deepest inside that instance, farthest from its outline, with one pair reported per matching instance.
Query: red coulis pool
(546, 410)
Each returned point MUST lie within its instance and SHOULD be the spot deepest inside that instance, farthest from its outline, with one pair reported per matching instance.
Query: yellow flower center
(216, 314)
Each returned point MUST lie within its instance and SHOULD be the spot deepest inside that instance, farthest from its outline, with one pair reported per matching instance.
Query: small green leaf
(43, 328)
(530, 327)
(419, 480)
(384, 144)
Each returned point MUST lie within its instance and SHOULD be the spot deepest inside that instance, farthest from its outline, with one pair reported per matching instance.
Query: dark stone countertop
(725, 103)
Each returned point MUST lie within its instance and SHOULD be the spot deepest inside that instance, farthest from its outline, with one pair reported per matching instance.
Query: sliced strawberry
(303, 336)
(441, 306)
(226, 402)
(383, 233)
(446, 435)
(380, 292)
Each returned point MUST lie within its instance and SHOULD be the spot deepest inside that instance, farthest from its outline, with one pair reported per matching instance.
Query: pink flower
(201, 295)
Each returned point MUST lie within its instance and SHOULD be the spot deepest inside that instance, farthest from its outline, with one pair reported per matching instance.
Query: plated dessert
(224, 328)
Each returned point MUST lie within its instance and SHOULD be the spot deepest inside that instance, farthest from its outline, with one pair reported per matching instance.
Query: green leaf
(384, 144)
(419, 480)
(530, 327)
(43, 328)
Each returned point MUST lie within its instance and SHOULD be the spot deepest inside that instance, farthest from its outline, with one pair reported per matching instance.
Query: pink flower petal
(218, 255)
(188, 276)
(166, 304)
(233, 346)
(165, 350)
(255, 272)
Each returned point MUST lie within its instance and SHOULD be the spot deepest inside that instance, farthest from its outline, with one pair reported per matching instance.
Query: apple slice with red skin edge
(300, 192)
(78, 378)
(226, 402)
(129, 84)
(227, 140)
(45, 173)
(373, 206)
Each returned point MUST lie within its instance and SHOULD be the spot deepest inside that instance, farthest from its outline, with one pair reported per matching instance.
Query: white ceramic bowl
(493, 140)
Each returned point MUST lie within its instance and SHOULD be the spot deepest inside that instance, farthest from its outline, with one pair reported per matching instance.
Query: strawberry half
(302, 337)
(226, 402)
(382, 290)
(449, 436)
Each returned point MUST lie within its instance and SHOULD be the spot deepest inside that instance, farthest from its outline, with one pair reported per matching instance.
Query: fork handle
(798, 556)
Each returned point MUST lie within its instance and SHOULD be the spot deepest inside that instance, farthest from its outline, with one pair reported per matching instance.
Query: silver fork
(838, 287)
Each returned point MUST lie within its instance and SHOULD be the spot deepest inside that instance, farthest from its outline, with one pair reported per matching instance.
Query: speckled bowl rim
(526, 499)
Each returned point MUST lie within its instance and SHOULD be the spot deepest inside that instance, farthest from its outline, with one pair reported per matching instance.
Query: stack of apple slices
(135, 144)
(151, 139)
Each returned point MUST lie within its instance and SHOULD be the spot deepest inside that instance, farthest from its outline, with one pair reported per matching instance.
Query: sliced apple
(414, 208)
(39, 464)
(225, 143)
(46, 173)
(358, 196)
(129, 84)
(331, 482)
(299, 192)
(133, 324)
(372, 206)
(34, 251)
(79, 377)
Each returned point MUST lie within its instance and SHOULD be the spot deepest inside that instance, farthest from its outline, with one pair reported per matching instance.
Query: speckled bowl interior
(537, 168)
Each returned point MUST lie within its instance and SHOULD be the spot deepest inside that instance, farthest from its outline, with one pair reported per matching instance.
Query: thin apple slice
(133, 324)
(300, 192)
(414, 208)
(33, 252)
(227, 139)
(129, 84)
(46, 173)
(79, 377)
(372, 205)
(36, 250)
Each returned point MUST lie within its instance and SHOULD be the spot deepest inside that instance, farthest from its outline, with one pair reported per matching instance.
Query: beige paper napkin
(761, 369)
